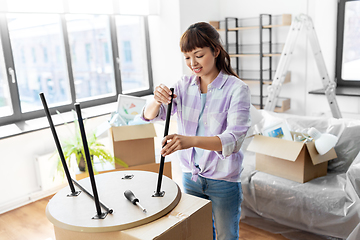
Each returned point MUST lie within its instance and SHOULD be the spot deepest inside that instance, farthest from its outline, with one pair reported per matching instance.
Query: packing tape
(185, 223)
(179, 215)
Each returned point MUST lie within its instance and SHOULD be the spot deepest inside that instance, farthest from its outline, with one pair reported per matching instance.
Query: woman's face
(202, 62)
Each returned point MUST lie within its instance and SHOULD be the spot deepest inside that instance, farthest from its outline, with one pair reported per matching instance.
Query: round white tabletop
(76, 213)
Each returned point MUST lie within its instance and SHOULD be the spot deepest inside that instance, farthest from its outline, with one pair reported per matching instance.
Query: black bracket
(159, 194)
(128, 176)
(101, 216)
(74, 194)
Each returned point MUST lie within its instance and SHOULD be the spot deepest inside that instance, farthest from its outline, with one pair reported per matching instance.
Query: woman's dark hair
(202, 34)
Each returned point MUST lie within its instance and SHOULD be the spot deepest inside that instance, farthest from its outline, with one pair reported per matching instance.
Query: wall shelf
(255, 55)
(282, 104)
(265, 50)
(283, 20)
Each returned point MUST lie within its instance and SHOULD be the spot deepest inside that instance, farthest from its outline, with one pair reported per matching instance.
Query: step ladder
(274, 90)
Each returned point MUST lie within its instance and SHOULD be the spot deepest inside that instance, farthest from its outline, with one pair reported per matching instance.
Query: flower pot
(82, 163)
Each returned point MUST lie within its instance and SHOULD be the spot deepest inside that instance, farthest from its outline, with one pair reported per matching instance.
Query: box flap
(275, 147)
(316, 158)
(133, 132)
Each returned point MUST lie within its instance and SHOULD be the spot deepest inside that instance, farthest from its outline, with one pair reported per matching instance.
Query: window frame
(339, 47)
(18, 116)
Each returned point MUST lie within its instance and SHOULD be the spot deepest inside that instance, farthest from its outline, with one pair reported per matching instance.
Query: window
(73, 51)
(106, 52)
(45, 55)
(94, 76)
(35, 6)
(127, 51)
(133, 53)
(5, 101)
(90, 6)
(348, 44)
(35, 33)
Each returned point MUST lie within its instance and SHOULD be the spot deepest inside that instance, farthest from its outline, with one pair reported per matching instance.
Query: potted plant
(73, 146)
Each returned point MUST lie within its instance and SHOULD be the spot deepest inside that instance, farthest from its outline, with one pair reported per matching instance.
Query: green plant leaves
(74, 146)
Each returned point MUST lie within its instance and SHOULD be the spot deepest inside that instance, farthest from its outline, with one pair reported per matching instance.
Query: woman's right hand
(162, 94)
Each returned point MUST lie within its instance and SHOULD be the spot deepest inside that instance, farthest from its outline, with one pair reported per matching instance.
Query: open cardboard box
(297, 161)
(133, 144)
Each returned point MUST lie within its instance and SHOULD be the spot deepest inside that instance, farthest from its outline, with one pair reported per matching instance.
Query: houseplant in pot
(73, 147)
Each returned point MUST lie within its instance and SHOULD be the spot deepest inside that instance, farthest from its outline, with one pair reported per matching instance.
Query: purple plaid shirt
(226, 115)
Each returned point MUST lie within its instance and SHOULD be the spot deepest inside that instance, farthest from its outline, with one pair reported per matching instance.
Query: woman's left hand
(175, 142)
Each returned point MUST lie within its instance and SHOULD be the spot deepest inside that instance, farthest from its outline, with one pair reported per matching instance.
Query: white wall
(164, 40)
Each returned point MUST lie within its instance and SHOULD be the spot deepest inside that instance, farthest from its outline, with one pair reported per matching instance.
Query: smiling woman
(213, 115)
(201, 62)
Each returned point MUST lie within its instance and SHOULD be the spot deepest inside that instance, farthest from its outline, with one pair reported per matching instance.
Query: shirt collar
(218, 82)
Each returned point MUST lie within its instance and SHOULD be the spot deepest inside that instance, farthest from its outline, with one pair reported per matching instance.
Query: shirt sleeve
(159, 117)
(163, 108)
(238, 122)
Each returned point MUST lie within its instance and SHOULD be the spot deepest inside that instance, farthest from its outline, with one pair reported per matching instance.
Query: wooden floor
(29, 222)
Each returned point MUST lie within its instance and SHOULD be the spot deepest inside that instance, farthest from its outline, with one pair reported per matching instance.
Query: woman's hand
(162, 94)
(175, 142)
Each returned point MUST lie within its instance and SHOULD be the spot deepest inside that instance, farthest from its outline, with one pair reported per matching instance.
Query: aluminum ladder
(284, 61)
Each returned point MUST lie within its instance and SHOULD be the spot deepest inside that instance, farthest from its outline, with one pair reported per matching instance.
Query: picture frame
(129, 106)
(278, 130)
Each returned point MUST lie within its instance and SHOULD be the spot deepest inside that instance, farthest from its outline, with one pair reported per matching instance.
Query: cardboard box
(133, 144)
(292, 160)
(215, 24)
(191, 219)
(152, 167)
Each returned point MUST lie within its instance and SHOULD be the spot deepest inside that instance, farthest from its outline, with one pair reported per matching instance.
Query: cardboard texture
(286, 19)
(215, 24)
(297, 161)
(133, 144)
(191, 219)
(152, 167)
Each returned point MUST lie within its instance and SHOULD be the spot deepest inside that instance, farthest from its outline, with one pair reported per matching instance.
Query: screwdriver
(131, 197)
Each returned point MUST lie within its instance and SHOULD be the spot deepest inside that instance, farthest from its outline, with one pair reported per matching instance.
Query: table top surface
(76, 213)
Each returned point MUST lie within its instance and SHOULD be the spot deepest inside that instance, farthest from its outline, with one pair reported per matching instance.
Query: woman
(213, 110)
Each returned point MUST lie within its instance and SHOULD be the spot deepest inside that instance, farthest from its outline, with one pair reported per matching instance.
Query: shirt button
(205, 123)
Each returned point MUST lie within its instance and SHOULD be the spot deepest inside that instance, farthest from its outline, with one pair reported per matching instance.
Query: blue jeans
(226, 198)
